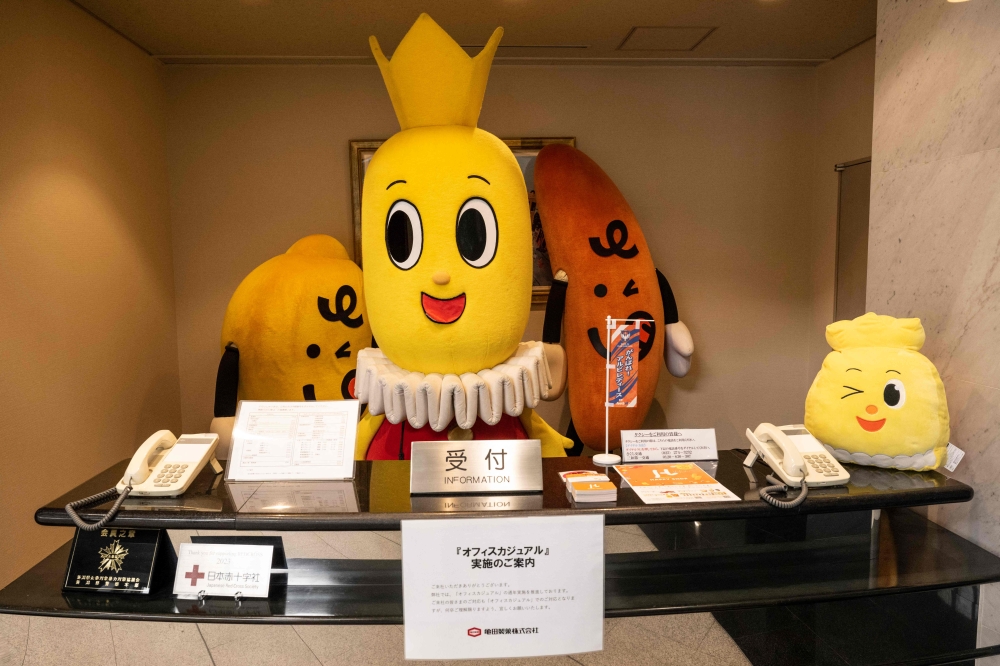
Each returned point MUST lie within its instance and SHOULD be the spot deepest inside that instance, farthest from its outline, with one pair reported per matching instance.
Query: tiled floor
(682, 640)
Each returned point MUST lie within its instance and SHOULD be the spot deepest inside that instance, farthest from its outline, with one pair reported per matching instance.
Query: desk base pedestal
(931, 627)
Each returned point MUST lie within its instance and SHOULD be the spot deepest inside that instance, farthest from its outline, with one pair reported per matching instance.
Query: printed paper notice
(674, 484)
(503, 587)
(669, 445)
(280, 441)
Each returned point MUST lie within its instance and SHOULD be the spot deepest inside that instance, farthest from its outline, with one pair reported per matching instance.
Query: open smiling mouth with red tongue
(870, 426)
(443, 311)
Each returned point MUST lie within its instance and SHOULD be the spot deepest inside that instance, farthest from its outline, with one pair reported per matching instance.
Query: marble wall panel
(934, 240)
(934, 253)
(936, 80)
(989, 621)
(975, 425)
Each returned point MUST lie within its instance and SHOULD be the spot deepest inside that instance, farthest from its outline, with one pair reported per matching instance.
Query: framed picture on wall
(525, 150)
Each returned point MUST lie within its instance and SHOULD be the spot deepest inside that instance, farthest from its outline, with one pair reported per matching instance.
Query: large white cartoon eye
(476, 232)
(894, 394)
(404, 234)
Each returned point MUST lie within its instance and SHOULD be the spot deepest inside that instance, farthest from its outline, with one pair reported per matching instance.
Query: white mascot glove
(680, 347)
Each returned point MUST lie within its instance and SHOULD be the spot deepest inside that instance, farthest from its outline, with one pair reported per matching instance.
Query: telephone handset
(798, 459)
(139, 468)
(164, 466)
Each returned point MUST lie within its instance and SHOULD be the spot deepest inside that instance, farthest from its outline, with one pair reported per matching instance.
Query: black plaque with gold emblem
(121, 560)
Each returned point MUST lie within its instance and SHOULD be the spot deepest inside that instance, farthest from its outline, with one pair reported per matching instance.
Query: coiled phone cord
(97, 499)
(765, 494)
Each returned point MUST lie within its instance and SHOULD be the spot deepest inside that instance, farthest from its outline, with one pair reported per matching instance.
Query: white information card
(503, 587)
(222, 570)
(282, 441)
(640, 446)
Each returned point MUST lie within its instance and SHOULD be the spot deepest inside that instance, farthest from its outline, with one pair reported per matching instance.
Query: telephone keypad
(169, 475)
(821, 463)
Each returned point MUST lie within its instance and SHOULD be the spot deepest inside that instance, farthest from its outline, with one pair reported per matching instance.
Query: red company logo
(475, 632)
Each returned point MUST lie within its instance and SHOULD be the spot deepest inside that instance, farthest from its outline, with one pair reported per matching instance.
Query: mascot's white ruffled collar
(520, 381)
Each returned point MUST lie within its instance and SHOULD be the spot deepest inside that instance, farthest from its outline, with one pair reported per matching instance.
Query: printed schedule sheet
(308, 440)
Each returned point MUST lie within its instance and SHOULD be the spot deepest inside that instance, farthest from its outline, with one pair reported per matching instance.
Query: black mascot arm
(552, 334)
(227, 382)
(554, 309)
(669, 304)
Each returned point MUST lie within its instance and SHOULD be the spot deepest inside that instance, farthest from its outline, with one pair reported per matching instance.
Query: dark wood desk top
(383, 500)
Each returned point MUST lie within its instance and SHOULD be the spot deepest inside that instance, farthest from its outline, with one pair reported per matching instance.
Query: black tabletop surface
(378, 499)
(704, 566)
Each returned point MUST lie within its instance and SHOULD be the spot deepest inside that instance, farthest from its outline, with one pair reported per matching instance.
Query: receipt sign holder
(607, 459)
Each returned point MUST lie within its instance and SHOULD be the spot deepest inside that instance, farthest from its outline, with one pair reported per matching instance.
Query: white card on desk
(680, 445)
(503, 587)
(310, 440)
(222, 570)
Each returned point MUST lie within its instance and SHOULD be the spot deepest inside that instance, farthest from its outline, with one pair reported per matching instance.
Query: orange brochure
(668, 483)
(663, 474)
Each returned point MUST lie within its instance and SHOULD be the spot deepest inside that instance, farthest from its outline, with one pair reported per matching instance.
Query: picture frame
(525, 150)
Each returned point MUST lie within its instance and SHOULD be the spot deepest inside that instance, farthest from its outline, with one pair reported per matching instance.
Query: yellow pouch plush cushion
(877, 400)
(299, 320)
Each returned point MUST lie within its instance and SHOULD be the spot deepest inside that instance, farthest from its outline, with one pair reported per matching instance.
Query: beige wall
(87, 333)
(258, 158)
(845, 94)
(934, 246)
(718, 163)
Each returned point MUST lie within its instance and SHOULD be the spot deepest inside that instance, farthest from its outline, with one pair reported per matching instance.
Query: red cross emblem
(194, 575)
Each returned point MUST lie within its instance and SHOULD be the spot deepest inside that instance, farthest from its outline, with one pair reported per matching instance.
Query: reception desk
(846, 553)
(383, 497)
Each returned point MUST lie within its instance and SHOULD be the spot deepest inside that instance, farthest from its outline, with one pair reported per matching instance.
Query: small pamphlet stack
(589, 486)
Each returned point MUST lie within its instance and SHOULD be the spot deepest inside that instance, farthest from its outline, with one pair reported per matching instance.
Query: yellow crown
(431, 80)
(872, 330)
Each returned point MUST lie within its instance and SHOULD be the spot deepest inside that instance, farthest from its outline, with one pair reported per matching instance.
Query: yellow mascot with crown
(878, 400)
(447, 254)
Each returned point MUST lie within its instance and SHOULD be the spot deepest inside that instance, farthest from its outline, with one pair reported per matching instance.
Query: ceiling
(792, 32)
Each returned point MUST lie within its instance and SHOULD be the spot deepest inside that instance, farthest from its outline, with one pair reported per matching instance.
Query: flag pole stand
(607, 458)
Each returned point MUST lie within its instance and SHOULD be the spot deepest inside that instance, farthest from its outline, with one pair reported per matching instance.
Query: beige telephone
(164, 466)
(798, 458)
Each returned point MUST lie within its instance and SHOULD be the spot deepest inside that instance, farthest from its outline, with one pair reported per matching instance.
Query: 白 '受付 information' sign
(503, 587)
